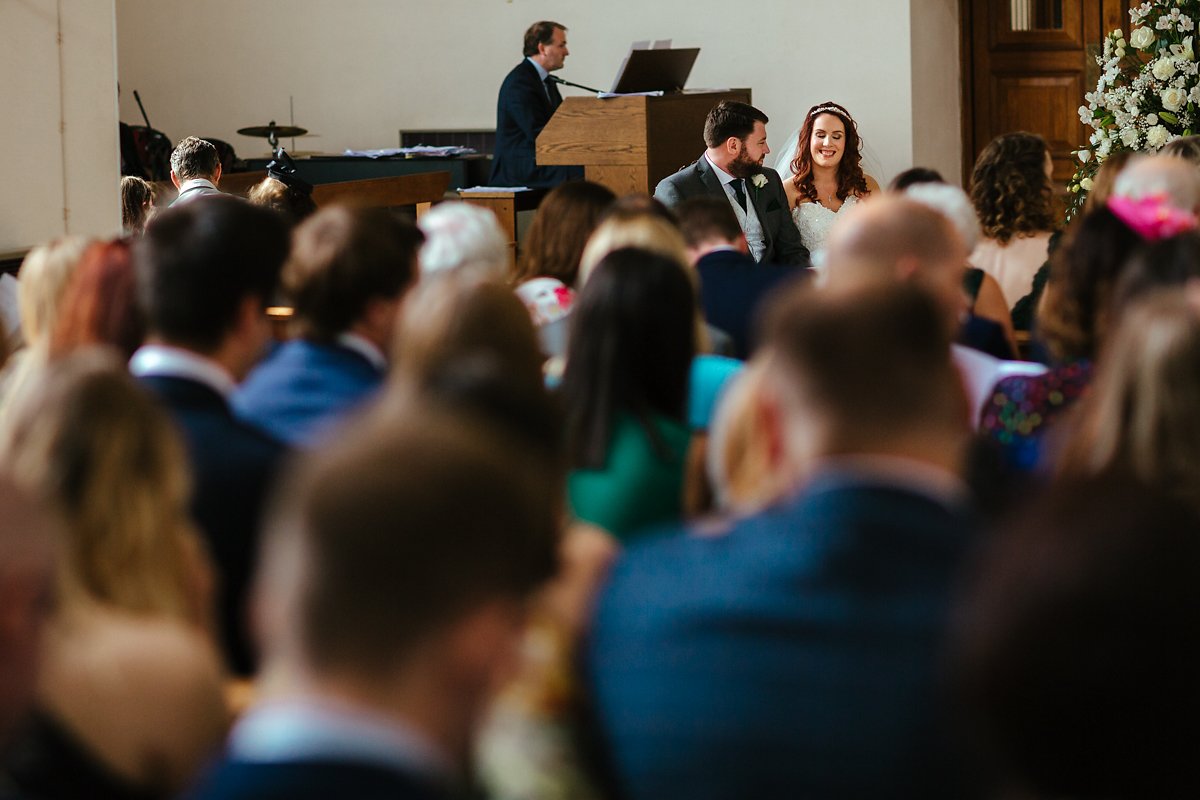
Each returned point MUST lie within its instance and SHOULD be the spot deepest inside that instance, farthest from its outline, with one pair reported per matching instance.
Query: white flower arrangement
(1148, 93)
(759, 180)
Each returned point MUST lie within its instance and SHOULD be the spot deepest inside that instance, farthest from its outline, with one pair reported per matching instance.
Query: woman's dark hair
(1168, 262)
(1076, 648)
(850, 176)
(1009, 187)
(913, 176)
(137, 197)
(1074, 313)
(633, 337)
(560, 230)
(1186, 147)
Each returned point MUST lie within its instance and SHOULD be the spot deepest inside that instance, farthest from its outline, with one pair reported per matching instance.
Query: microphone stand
(556, 79)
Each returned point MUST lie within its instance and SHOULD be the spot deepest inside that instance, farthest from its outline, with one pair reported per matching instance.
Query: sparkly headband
(828, 110)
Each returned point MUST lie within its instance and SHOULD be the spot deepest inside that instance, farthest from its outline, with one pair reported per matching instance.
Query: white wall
(58, 121)
(937, 87)
(359, 70)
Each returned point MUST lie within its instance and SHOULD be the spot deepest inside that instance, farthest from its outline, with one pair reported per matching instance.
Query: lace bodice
(814, 221)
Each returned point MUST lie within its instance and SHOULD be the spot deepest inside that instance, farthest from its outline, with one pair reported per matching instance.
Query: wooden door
(1027, 65)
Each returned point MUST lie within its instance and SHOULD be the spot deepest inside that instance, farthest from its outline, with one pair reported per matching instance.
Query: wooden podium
(629, 144)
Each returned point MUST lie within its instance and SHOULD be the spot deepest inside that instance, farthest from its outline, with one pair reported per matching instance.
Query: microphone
(556, 79)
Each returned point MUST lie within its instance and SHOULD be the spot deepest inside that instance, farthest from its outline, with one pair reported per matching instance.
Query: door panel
(1027, 65)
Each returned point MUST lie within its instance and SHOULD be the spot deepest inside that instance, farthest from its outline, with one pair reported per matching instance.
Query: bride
(827, 174)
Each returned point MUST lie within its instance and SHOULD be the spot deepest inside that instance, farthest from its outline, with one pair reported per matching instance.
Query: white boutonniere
(759, 181)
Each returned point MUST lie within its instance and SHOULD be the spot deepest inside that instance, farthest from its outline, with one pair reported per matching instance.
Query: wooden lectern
(629, 144)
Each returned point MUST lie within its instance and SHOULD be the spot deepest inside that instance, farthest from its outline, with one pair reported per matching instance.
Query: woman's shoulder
(872, 186)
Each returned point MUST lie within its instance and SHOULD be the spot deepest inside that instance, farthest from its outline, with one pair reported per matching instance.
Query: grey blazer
(783, 245)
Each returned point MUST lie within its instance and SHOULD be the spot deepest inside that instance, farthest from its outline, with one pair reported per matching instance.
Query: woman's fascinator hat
(1151, 217)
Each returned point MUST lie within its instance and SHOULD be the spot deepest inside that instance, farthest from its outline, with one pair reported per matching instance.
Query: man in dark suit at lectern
(528, 98)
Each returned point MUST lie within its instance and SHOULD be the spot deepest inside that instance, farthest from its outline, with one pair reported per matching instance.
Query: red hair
(99, 304)
(850, 177)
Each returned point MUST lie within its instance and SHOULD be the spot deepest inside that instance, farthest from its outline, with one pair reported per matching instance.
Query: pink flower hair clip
(1152, 217)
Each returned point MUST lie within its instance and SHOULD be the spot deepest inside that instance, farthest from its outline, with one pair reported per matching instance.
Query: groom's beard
(744, 167)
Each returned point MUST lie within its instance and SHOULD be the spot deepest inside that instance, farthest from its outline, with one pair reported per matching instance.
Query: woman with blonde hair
(1140, 418)
(130, 693)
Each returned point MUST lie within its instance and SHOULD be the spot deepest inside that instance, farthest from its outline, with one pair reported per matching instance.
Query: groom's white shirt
(748, 219)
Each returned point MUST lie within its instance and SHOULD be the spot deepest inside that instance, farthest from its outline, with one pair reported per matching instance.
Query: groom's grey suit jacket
(782, 245)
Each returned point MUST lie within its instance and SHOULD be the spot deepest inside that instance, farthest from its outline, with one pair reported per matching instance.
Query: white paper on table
(485, 189)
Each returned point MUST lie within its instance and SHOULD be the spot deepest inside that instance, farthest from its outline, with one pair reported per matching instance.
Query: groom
(732, 167)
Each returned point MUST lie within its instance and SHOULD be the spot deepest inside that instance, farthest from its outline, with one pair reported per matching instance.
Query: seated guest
(28, 551)
(347, 274)
(1174, 180)
(1170, 262)
(465, 239)
(284, 190)
(548, 268)
(896, 239)
(732, 284)
(129, 702)
(195, 169)
(137, 204)
(1072, 322)
(1140, 417)
(1012, 193)
(46, 272)
(625, 392)
(205, 273)
(99, 305)
(1077, 650)
(799, 653)
(396, 573)
(738, 448)
(987, 325)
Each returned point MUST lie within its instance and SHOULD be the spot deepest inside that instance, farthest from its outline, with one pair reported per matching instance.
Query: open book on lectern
(657, 69)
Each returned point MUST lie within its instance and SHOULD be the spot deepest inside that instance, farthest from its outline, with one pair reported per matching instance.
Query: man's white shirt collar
(543, 73)
(303, 729)
(365, 348)
(193, 183)
(173, 362)
(725, 177)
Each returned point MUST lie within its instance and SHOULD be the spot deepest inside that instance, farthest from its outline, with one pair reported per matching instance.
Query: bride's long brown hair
(850, 178)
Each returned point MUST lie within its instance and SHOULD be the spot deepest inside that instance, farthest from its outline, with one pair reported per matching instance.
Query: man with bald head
(894, 239)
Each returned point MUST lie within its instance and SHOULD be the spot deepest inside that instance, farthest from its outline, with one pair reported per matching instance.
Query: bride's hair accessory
(1151, 217)
(828, 110)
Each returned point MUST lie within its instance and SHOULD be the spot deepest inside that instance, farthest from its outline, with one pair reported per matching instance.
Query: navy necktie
(736, 183)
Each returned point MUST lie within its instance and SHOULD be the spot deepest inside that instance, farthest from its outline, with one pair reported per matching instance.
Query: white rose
(1152, 119)
(1141, 38)
(1164, 68)
(1120, 42)
(759, 180)
(1086, 184)
(1157, 136)
(1085, 156)
(1129, 136)
(1173, 99)
(1119, 53)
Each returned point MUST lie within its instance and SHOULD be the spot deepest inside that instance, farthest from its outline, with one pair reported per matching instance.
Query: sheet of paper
(485, 189)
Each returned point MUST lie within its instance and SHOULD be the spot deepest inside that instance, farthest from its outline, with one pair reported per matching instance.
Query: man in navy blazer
(396, 571)
(205, 273)
(528, 98)
(732, 168)
(733, 286)
(348, 272)
(797, 653)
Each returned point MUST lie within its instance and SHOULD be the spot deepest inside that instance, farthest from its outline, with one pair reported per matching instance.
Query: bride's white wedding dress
(814, 221)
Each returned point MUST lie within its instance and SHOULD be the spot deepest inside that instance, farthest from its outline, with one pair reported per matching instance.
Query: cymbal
(279, 131)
